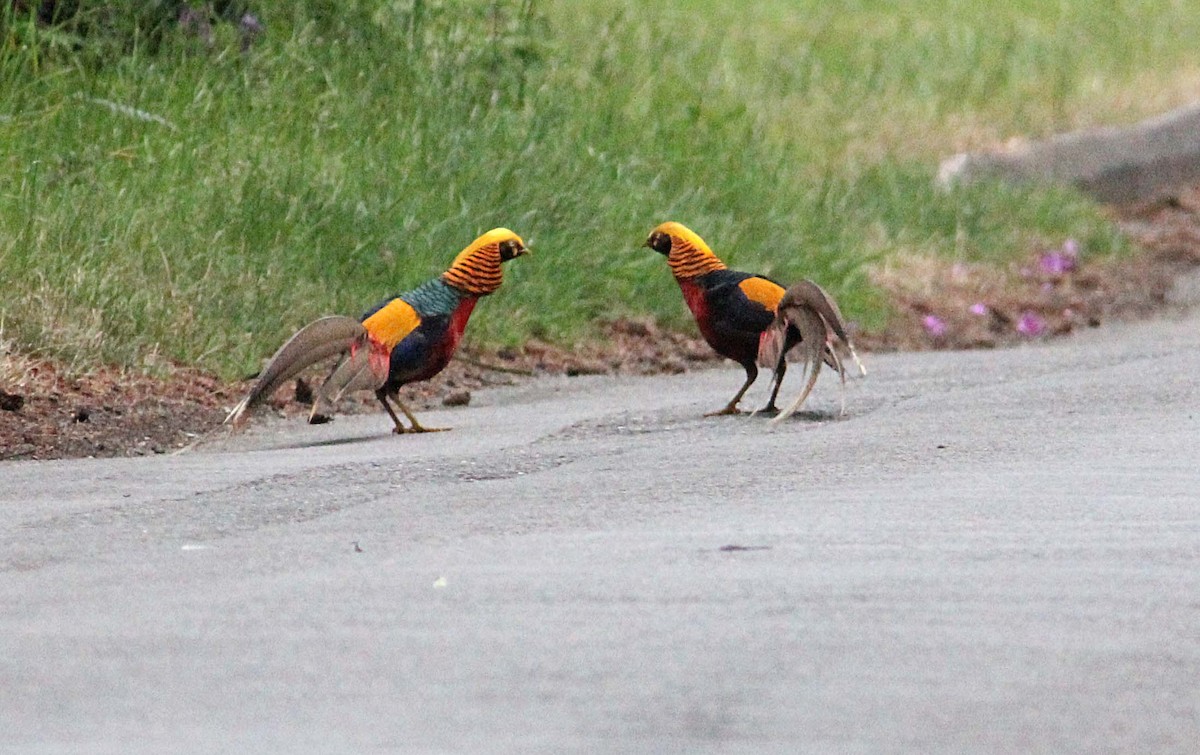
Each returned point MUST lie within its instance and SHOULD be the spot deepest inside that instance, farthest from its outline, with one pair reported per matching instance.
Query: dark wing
(740, 307)
(421, 354)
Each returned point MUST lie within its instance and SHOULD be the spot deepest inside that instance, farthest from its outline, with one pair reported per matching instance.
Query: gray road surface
(993, 552)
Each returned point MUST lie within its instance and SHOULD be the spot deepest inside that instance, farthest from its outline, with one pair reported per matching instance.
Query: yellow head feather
(476, 269)
(689, 256)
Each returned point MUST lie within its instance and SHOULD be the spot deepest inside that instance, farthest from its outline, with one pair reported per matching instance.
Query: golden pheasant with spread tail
(405, 339)
(732, 309)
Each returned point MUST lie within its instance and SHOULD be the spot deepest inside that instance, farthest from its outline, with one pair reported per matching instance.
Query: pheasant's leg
(399, 428)
(780, 368)
(416, 426)
(731, 407)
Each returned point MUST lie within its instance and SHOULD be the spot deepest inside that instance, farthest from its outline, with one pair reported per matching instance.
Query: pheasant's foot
(731, 409)
(416, 429)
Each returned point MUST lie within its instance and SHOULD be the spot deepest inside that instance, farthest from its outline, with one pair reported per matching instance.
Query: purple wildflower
(934, 325)
(979, 308)
(1031, 324)
(1061, 261)
(1056, 263)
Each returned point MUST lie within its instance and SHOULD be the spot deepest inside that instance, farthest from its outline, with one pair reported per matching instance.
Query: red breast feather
(730, 320)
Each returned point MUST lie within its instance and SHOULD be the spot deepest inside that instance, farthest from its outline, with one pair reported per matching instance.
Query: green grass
(360, 145)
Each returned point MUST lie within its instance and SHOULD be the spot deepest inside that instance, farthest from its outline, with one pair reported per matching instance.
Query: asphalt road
(993, 552)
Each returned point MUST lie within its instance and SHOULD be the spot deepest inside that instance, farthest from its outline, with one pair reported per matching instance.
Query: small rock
(586, 368)
(11, 402)
(82, 414)
(457, 398)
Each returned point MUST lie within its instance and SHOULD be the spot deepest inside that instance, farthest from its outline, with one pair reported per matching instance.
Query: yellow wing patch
(392, 323)
(762, 291)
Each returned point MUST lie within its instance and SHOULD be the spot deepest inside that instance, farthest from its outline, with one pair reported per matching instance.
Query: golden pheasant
(405, 339)
(732, 309)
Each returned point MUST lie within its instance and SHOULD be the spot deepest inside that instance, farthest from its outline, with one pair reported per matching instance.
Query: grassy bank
(199, 204)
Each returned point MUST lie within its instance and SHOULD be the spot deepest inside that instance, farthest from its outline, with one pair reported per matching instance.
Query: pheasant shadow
(333, 442)
(808, 415)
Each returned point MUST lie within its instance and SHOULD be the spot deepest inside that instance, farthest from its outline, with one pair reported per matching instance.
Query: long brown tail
(808, 312)
(365, 367)
(813, 331)
(314, 342)
(810, 294)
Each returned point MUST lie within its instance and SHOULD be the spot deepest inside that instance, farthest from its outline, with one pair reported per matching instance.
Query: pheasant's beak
(524, 251)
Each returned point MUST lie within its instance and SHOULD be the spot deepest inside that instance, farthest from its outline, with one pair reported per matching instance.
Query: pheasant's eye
(508, 250)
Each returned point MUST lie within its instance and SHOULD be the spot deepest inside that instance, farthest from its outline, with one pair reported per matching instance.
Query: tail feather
(360, 370)
(771, 344)
(809, 294)
(808, 312)
(813, 329)
(314, 342)
(841, 370)
(854, 355)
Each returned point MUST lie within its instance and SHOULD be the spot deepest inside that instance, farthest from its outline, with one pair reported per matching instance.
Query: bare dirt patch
(46, 413)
